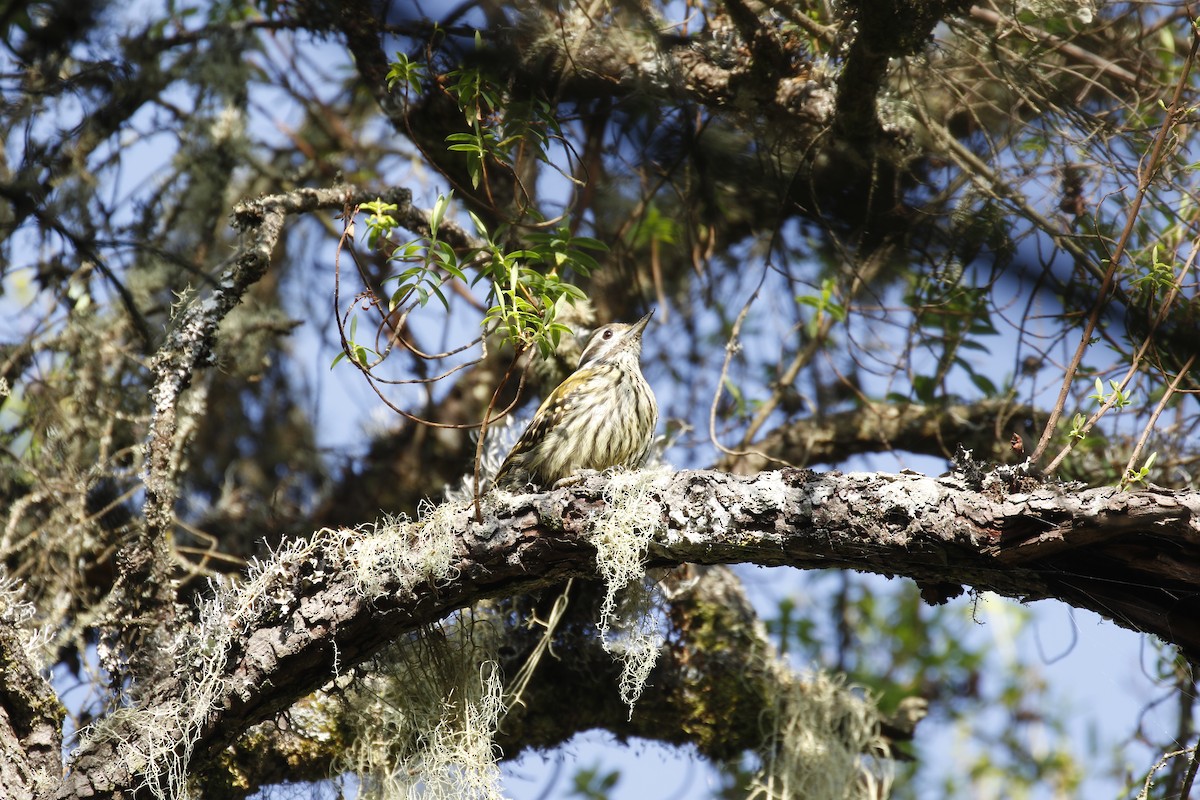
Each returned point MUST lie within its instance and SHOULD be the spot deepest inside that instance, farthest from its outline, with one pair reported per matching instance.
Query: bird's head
(614, 341)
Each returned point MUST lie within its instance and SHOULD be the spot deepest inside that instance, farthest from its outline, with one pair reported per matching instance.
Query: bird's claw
(575, 478)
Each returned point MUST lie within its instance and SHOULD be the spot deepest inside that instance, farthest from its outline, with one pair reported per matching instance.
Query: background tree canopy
(269, 269)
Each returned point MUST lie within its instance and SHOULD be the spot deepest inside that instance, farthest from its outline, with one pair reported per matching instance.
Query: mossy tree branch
(1133, 557)
(31, 715)
(714, 687)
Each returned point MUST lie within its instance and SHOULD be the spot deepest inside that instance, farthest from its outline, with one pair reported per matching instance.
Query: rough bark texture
(31, 719)
(1133, 557)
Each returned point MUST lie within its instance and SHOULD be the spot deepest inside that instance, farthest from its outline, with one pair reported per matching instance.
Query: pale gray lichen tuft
(424, 719)
(826, 745)
(409, 551)
(632, 515)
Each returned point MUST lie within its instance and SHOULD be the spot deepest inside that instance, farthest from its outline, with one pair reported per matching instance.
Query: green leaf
(479, 226)
(398, 296)
(736, 393)
(983, 384)
(438, 291)
(406, 72)
(924, 387)
(435, 215)
(471, 142)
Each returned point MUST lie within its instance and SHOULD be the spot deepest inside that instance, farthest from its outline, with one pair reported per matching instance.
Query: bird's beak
(639, 326)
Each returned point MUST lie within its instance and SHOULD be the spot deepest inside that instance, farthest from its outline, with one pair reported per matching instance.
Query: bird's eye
(608, 334)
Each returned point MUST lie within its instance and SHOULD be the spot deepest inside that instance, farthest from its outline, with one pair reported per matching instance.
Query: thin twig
(487, 420)
(1146, 178)
(1135, 363)
(1057, 43)
(1162, 404)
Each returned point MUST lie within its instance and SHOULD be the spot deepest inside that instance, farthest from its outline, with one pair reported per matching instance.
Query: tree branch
(330, 603)
(714, 687)
(31, 716)
(887, 29)
(984, 427)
